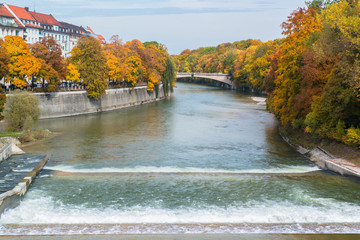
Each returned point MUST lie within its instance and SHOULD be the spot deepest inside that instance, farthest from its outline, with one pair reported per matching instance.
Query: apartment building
(33, 26)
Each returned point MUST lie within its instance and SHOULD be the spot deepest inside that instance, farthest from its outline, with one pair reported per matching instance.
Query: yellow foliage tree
(18, 83)
(116, 68)
(153, 80)
(22, 63)
(72, 73)
(134, 70)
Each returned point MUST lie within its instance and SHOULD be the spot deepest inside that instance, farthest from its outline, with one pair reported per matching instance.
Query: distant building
(52, 28)
(33, 26)
(32, 32)
(74, 32)
(10, 24)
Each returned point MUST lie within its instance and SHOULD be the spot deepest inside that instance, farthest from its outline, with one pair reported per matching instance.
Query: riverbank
(327, 154)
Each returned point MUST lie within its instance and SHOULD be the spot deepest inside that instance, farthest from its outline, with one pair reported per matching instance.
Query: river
(205, 160)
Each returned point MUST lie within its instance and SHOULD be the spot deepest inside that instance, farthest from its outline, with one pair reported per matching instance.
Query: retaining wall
(63, 104)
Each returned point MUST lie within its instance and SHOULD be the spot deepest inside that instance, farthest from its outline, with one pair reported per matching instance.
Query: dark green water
(205, 161)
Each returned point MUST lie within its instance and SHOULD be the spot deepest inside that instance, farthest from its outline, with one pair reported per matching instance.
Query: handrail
(204, 74)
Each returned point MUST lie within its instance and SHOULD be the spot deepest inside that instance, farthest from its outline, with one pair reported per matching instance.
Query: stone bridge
(220, 77)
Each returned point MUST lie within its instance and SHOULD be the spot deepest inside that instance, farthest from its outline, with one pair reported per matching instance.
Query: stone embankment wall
(63, 104)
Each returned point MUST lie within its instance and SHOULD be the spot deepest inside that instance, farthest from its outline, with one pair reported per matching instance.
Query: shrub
(353, 137)
(34, 135)
(21, 110)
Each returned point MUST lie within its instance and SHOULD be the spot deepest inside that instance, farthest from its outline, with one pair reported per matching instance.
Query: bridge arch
(220, 77)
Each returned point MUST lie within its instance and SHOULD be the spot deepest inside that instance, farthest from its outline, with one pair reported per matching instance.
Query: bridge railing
(203, 74)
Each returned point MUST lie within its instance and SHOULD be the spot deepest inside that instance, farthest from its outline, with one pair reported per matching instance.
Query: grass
(10, 134)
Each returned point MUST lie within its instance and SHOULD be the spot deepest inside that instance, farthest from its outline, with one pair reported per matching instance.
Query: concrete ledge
(327, 161)
(341, 166)
(12, 198)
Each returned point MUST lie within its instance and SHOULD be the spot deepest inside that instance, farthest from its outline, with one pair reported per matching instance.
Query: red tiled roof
(45, 19)
(100, 37)
(4, 12)
(90, 30)
(21, 13)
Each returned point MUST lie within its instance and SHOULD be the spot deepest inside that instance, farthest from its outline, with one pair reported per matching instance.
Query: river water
(206, 160)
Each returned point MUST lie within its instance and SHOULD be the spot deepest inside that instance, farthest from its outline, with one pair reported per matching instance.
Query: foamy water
(149, 169)
(259, 100)
(46, 216)
(40, 209)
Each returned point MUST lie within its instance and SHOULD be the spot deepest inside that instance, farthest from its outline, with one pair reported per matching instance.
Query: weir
(16, 180)
(205, 160)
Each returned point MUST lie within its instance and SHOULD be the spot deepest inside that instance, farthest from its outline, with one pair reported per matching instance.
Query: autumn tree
(116, 67)
(336, 111)
(49, 50)
(4, 60)
(72, 73)
(23, 65)
(133, 71)
(90, 61)
(300, 25)
(4, 71)
(154, 62)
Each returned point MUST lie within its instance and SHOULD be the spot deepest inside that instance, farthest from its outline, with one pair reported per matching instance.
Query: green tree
(22, 109)
(90, 61)
(168, 77)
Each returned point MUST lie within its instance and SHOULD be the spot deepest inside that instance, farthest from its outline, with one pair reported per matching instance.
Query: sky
(179, 24)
